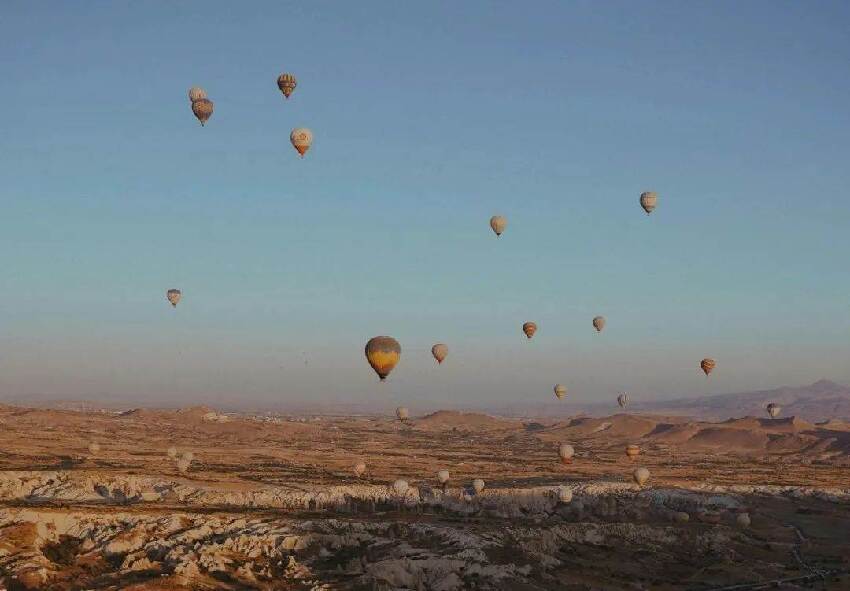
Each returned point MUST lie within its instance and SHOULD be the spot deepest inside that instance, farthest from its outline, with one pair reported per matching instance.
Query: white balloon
(641, 476)
(478, 485)
(197, 93)
(302, 139)
(400, 487)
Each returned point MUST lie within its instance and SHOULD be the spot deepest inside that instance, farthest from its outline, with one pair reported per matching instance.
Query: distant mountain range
(820, 401)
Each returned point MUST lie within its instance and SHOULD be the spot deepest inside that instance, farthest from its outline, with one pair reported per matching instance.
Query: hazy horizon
(820, 394)
(427, 121)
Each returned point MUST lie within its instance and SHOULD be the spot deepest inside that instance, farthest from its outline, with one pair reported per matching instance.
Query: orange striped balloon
(203, 109)
(286, 83)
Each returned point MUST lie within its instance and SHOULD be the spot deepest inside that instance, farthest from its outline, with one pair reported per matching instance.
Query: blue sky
(428, 119)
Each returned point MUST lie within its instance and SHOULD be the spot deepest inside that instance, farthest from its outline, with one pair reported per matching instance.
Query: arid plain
(95, 500)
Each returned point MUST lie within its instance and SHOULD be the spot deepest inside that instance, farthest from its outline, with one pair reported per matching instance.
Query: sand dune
(628, 426)
(468, 421)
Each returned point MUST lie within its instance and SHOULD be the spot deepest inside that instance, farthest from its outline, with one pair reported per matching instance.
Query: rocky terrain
(196, 499)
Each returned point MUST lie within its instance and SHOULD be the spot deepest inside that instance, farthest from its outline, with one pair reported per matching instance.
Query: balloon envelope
(383, 354)
(402, 413)
(203, 109)
(197, 93)
(359, 469)
(560, 391)
(632, 451)
(439, 351)
(477, 485)
(566, 452)
(565, 494)
(302, 139)
(286, 83)
(443, 476)
(498, 224)
(648, 201)
(529, 328)
(174, 296)
(707, 365)
(400, 487)
(773, 410)
(623, 399)
(599, 323)
(641, 476)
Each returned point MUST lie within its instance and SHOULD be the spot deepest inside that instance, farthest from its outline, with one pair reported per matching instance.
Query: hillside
(822, 401)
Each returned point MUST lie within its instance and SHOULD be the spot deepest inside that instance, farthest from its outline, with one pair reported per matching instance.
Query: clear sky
(429, 117)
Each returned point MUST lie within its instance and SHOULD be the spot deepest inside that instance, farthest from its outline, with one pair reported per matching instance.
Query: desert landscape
(194, 499)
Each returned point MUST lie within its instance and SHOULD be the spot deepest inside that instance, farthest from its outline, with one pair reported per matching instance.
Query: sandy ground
(273, 503)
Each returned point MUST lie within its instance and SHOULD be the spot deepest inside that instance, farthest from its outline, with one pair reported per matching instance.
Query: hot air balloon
(477, 485)
(443, 477)
(773, 410)
(641, 476)
(560, 391)
(565, 494)
(286, 83)
(529, 328)
(400, 487)
(402, 413)
(174, 296)
(707, 365)
(94, 447)
(623, 399)
(632, 451)
(359, 469)
(681, 517)
(172, 453)
(302, 139)
(197, 93)
(498, 223)
(183, 465)
(599, 323)
(566, 453)
(203, 109)
(439, 351)
(383, 354)
(648, 201)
